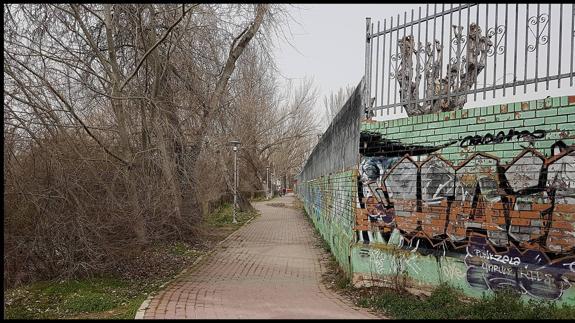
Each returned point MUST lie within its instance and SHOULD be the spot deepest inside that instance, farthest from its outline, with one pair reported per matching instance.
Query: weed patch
(77, 298)
(446, 302)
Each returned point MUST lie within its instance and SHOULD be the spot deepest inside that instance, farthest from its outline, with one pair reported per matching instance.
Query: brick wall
(481, 198)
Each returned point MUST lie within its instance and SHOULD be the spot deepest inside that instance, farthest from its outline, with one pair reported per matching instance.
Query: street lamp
(267, 182)
(235, 145)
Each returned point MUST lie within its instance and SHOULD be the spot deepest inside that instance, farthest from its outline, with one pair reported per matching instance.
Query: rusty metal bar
(505, 55)
(441, 14)
(376, 62)
(526, 44)
(560, 42)
(367, 65)
(495, 29)
(515, 48)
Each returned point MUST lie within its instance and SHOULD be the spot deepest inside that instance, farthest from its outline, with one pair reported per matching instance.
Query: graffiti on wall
(514, 223)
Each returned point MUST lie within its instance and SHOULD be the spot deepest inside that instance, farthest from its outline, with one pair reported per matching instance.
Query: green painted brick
(458, 114)
(530, 128)
(556, 102)
(426, 118)
(540, 104)
(558, 119)
(442, 115)
(467, 121)
(398, 135)
(509, 154)
(451, 123)
(490, 109)
(569, 142)
(571, 118)
(408, 140)
(406, 128)
(533, 104)
(494, 125)
(441, 131)
(484, 119)
(450, 150)
(435, 125)
(505, 116)
(420, 126)
(433, 117)
(503, 146)
(392, 130)
(458, 129)
(564, 101)
(570, 109)
(484, 148)
(426, 132)
(513, 124)
(567, 126)
(483, 111)
(434, 138)
(547, 127)
(534, 122)
(546, 113)
(497, 109)
(476, 127)
(448, 137)
(526, 114)
(520, 145)
(471, 112)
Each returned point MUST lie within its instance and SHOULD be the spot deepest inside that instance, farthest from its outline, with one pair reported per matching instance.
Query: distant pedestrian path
(270, 268)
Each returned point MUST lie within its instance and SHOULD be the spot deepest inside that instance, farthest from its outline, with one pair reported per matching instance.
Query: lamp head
(235, 144)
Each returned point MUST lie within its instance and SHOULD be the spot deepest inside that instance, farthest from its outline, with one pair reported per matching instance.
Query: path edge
(144, 306)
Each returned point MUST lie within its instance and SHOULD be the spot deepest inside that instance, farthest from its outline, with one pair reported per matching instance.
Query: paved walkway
(269, 268)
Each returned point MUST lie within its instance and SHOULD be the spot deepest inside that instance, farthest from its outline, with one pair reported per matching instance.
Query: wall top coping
(540, 104)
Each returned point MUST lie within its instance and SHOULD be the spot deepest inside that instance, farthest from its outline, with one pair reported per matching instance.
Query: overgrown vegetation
(117, 119)
(117, 297)
(446, 302)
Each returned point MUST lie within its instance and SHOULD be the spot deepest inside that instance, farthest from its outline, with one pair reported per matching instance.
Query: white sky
(330, 43)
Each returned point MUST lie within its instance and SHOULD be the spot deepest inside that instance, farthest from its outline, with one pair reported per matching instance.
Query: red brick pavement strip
(269, 268)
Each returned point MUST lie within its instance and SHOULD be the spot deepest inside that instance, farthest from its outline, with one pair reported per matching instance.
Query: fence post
(367, 66)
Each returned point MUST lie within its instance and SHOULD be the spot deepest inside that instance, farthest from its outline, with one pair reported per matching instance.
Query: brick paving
(270, 268)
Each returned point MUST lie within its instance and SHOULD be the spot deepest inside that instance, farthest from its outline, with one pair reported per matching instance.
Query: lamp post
(267, 182)
(235, 145)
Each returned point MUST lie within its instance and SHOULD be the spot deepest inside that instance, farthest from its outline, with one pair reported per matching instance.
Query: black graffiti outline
(505, 195)
(488, 138)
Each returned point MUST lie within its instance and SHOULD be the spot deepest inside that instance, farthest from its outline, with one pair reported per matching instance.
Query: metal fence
(531, 48)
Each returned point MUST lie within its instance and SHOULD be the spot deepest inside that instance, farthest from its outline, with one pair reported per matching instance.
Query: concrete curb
(142, 309)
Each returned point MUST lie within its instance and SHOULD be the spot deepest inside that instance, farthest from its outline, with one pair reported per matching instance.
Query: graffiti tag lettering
(505, 259)
(500, 137)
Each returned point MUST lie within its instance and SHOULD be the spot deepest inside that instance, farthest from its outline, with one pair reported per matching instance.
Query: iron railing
(531, 44)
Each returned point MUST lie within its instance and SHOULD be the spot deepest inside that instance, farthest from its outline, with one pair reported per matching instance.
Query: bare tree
(333, 102)
(107, 110)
